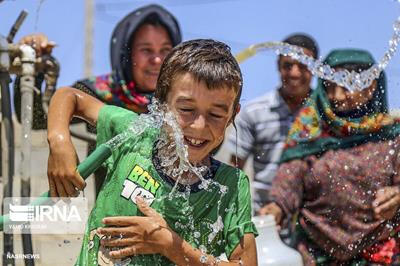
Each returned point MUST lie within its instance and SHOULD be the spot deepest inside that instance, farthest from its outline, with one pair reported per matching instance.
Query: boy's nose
(199, 122)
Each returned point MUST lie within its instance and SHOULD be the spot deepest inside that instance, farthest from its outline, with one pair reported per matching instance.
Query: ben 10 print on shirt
(140, 183)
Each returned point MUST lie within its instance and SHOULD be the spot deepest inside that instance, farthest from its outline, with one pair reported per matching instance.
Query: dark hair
(303, 40)
(208, 61)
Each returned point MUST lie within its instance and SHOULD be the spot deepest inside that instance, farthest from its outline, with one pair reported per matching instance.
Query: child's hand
(64, 180)
(136, 235)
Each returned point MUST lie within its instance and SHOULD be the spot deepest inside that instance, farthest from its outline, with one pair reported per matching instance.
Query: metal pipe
(17, 25)
(28, 57)
(7, 143)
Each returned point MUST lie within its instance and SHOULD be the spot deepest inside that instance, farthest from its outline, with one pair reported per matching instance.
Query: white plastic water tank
(271, 251)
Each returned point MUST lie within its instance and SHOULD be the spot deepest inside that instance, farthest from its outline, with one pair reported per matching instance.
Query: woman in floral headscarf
(340, 172)
(138, 46)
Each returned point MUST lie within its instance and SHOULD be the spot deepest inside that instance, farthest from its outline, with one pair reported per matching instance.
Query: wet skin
(202, 113)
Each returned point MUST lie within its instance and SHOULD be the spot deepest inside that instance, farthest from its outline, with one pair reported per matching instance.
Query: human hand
(273, 209)
(386, 203)
(136, 235)
(64, 180)
(39, 42)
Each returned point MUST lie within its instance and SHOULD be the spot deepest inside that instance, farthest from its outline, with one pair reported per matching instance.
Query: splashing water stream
(173, 152)
(174, 160)
(353, 81)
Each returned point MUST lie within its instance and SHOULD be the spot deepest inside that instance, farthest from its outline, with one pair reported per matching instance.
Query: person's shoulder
(112, 113)
(261, 103)
(92, 81)
(117, 110)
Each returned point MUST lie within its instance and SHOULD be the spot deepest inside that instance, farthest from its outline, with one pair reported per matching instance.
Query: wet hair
(303, 40)
(208, 61)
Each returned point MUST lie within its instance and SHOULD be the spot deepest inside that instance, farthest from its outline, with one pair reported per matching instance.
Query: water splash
(161, 123)
(353, 81)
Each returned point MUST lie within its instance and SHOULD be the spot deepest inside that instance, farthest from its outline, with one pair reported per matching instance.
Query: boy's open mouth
(197, 143)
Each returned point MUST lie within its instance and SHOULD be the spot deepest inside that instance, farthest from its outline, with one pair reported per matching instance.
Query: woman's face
(150, 46)
(343, 100)
(202, 114)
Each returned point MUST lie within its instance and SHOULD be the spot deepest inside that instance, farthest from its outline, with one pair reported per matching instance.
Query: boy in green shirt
(134, 221)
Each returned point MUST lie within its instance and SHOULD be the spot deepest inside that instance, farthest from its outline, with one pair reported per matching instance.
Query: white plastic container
(271, 251)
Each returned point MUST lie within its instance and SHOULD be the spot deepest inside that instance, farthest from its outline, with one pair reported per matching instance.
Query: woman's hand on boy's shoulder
(64, 180)
(137, 235)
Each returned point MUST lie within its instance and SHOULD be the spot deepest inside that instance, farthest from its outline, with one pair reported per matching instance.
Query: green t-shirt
(130, 172)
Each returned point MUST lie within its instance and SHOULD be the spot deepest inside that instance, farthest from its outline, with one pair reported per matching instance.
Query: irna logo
(55, 213)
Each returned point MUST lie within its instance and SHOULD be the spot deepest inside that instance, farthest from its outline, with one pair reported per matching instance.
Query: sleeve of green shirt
(239, 221)
(112, 121)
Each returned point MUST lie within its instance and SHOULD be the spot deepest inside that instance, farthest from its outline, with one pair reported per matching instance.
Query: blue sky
(363, 24)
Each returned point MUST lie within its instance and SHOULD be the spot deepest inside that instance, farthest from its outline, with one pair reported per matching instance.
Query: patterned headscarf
(317, 128)
(119, 88)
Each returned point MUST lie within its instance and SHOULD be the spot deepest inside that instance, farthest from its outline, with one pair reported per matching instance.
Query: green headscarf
(317, 128)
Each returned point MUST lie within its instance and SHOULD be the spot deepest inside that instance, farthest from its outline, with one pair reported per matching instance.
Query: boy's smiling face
(202, 113)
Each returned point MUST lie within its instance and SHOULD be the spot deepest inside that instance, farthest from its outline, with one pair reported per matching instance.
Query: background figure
(138, 46)
(341, 173)
(262, 125)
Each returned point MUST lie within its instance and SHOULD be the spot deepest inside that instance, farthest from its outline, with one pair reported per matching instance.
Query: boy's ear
(236, 112)
(238, 109)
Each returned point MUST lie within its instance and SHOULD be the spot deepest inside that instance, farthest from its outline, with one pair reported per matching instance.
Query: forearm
(287, 186)
(67, 103)
(182, 253)
(61, 110)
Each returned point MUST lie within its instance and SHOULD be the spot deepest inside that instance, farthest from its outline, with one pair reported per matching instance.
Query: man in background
(262, 125)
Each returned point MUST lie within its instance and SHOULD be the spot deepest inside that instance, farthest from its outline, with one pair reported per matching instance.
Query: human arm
(387, 199)
(287, 190)
(65, 104)
(152, 235)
